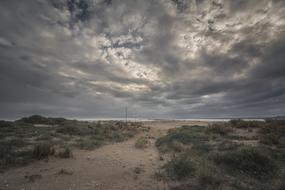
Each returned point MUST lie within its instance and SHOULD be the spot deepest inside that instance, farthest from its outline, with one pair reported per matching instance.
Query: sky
(160, 58)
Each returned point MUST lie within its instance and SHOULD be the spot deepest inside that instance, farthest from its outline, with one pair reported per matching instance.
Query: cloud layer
(161, 58)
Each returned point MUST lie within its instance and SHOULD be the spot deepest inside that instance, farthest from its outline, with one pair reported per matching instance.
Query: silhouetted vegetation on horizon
(38, 119)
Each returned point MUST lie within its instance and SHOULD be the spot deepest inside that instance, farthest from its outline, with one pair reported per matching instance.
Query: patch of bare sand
(116, 166)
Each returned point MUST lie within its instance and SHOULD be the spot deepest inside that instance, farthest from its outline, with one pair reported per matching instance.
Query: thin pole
(126, 114)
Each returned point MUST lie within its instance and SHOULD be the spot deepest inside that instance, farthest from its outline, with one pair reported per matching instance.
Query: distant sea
(170, 119)
(116, 119)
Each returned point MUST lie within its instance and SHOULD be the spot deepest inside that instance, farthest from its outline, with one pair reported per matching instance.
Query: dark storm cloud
(162, 58)
(272, 66)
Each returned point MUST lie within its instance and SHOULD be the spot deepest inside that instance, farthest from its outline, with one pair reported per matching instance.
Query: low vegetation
(63, 171)
(221, 128)
(142, 143)
(237, 155)
(184, 138)
(249, 162)
(273, 135)
(37, 137)
(33, 177)
(64, 153)
(42, 150)
(180, 167)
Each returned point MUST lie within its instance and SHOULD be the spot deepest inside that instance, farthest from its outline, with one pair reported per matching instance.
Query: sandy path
(107, 168)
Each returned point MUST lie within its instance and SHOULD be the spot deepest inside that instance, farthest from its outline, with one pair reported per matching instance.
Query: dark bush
(38, 119)
(269, 139)
(208, 182)
(70, 130)
(34, 119)
(6, 123)
(282, 186)
(184, 135)
(89, 144)
(219, 128)
(247, 161)
(9, 157)
(142, 143)
(238, 123)
(272, 134)
(180, 167)
(65, 153)
(42, 151)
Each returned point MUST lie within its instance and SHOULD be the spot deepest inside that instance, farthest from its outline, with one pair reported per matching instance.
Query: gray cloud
(162, 58)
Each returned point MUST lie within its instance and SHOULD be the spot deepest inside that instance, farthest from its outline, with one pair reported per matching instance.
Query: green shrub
(69, 130)
(238, 123)
(208, 182)
(177, 146)
(14, 142)
(65, 153)
(180, 167)
(42, 150)
(275, 122)
(44, 137)
(11, 153)
(184, 136)
(9, 157)
(88, 144)
(272, 134)
(247, 161)
(221, 129)
(274, 129)
(116, 136)
(141, 143)
(169, 141)
(227, 145)
(269, 139)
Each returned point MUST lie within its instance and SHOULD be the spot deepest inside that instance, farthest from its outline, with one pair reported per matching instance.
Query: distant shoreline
(146, 119)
